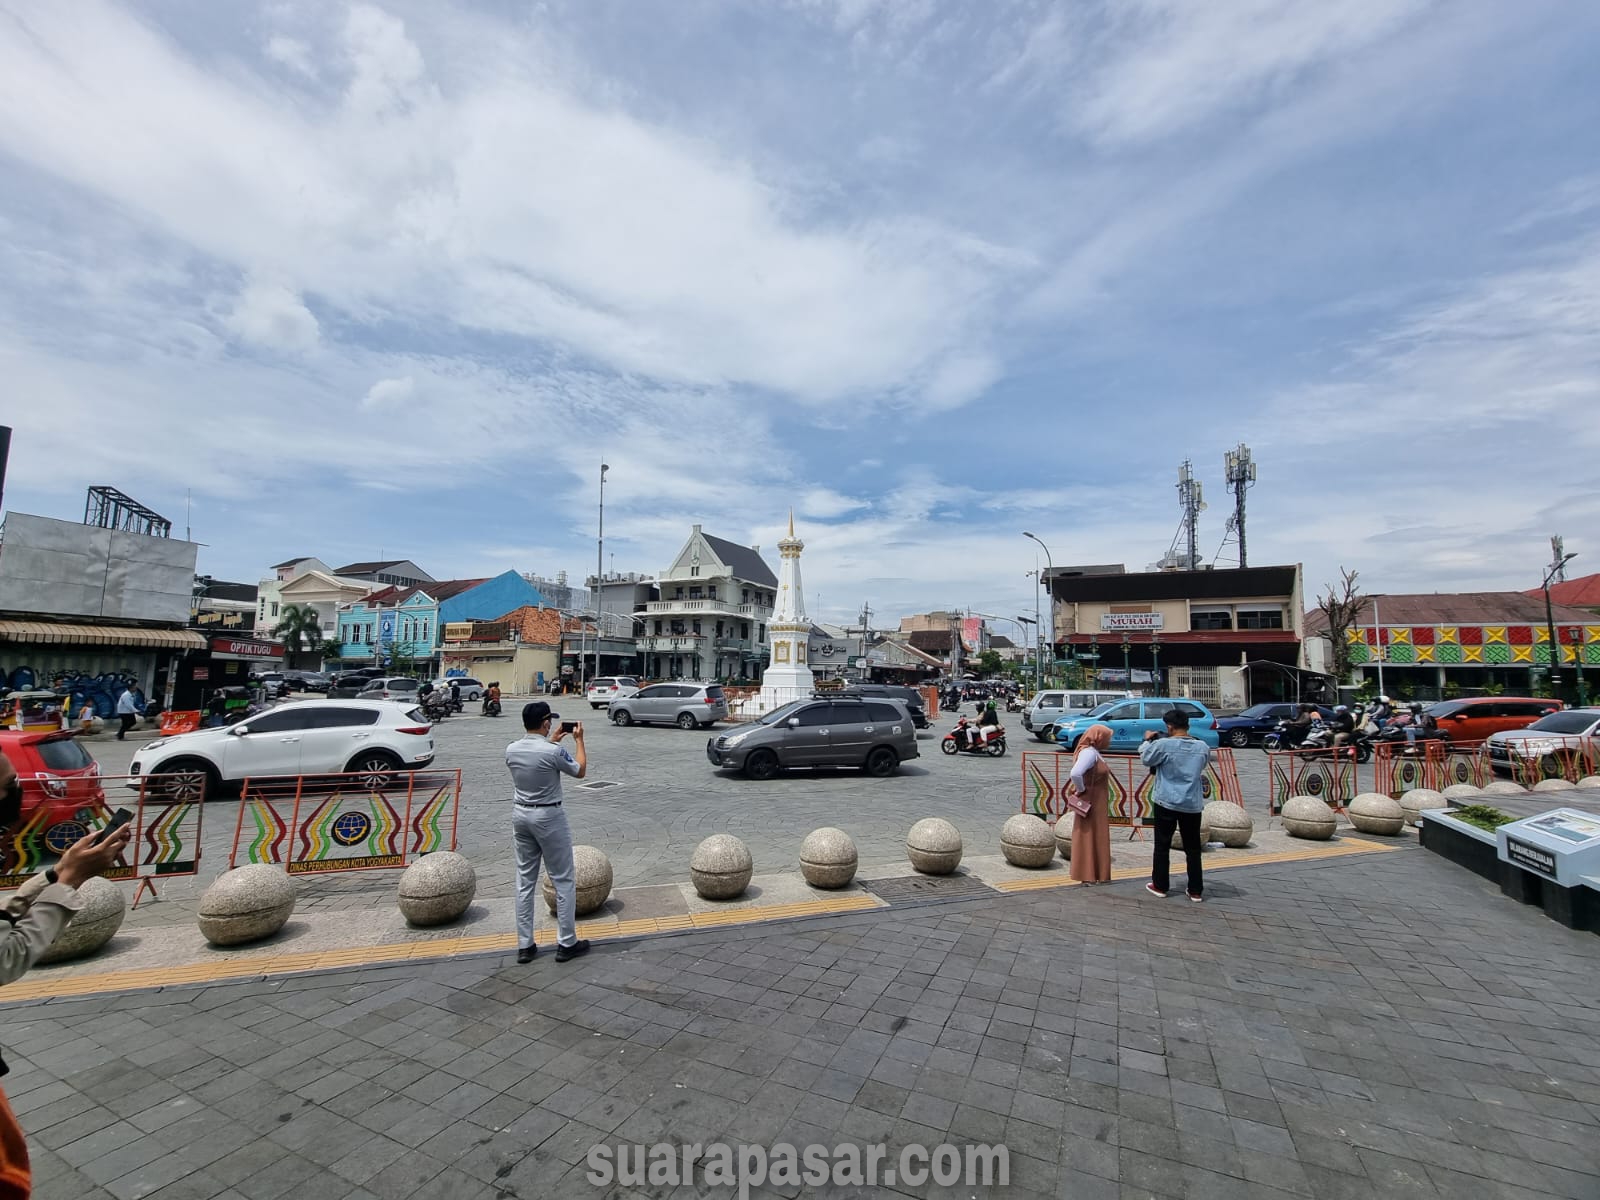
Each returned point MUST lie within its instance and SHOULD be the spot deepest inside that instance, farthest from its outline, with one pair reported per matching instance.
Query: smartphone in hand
(118, 819)
(569, 726)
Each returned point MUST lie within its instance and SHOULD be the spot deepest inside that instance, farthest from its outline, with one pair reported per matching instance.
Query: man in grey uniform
(539, 825)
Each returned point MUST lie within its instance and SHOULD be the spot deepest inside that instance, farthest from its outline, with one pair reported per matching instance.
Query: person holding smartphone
(29, 923)
(539, 824)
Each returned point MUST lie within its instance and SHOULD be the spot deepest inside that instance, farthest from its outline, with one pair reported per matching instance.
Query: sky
(392, 279)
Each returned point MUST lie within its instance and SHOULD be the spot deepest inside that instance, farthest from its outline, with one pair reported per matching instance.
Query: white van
(1049, 706)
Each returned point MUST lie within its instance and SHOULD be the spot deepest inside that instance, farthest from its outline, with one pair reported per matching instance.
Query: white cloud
(271, 316)
(388, 392)
(292, 53)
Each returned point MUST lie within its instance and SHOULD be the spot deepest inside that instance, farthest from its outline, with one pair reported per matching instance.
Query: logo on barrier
(350, 828)
(165, 841)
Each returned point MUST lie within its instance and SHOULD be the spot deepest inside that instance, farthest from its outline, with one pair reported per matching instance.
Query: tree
(300, 627)
(1342, 606)
(990, 663)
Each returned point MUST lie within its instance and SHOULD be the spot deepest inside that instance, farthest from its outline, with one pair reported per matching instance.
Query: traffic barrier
(1440, 764)
(59, 810)
(1557, 757)
(316, 824)
(181, 721)
(1323, 774)
(1131, 799)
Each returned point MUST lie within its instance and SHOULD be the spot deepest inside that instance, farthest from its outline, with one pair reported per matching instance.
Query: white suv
(610, 687)
(306, 737)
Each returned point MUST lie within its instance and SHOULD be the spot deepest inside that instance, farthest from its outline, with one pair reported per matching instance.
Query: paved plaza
(1383, 1025)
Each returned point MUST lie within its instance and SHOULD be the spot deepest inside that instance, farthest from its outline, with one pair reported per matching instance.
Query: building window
(658, 628)
(1211, 618)
(425, 623)
(719, 628)
(744, 630)
(694, 570)
(677, 594)
(762, 635)
(745, 596)
(694, 592)
(711, 590)
(696, 627)
(1265, 618)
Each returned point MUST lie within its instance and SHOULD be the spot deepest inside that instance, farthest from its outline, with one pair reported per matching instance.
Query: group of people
(1178, 761)
(969, 736)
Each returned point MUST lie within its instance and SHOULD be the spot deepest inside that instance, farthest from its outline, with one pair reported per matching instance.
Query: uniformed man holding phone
(539, 824)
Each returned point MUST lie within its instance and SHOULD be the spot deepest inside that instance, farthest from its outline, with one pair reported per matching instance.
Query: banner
(62, 810)
(318, 824)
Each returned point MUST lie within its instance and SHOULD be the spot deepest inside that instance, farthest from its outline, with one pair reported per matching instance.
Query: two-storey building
(409, 623)
(710, 622)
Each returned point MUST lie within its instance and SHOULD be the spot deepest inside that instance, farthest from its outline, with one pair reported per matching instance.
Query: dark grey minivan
(874, 734)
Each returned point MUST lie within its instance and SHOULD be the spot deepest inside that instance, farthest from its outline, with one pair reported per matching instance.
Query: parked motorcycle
(990, 740)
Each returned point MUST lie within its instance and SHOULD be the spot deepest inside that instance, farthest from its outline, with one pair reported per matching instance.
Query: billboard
(68, 569)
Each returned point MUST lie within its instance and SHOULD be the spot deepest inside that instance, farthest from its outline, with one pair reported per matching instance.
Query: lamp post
(1038, 658)
(1127, 660)
(599, 577)
(1155, 661)
(1550, 630)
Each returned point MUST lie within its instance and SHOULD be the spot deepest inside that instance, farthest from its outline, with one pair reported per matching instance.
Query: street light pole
(1550, 630)
(599, 577)
(1039, 627)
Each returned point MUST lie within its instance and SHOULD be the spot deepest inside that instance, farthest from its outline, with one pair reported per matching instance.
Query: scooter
(437, 706)
(991, 740)
(1394, 734)
(1013, 704)
(491, 706)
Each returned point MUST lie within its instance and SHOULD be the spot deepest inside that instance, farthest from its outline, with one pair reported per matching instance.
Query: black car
(909, 696)
(1254, 723)
(307, 681)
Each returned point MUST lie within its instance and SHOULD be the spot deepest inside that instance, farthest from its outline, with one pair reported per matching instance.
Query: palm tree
(300, 627)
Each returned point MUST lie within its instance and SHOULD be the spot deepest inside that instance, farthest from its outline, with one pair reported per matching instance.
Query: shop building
(710, 622)
(1227, 637)
(520, 651)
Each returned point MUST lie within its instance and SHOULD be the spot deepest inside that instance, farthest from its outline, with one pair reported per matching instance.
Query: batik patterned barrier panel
(59, 810)
(1046, 773)
(1330, 778)
(316, 824)
(1557, 757)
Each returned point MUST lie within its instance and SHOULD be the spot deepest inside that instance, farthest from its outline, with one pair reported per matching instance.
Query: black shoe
(577, 950)
(525, 955)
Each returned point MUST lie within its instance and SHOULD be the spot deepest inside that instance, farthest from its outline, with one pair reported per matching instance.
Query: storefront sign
(1122, 622)
(243, 649)
(489, 631)
(201, 674)
(458, 631)
(229, 620)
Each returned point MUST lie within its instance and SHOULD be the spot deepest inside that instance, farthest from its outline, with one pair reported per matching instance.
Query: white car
(471, 689)
(607, 688)
(1547, 747)
(374, 738)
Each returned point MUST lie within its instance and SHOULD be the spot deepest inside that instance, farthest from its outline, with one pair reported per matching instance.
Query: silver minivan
(874, 734)
(685, 705)
(1049, 706)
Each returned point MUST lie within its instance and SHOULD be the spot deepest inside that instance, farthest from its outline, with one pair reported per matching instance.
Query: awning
(52, 633)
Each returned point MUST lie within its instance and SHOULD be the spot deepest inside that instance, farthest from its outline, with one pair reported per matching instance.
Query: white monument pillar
(788, 674)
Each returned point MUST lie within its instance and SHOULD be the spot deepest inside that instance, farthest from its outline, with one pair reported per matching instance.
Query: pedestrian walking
(539, 825)
(1179, 763)
(1088, 798)
(129, 705)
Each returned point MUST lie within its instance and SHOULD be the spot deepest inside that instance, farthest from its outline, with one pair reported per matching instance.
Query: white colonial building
(710, 622)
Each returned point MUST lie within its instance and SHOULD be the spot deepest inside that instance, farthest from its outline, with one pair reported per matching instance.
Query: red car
(61, 789)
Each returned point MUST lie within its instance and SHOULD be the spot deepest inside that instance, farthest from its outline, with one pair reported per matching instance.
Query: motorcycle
(1013, 704)
(437, 706)
(491, 706)
(1320, 743)
(1394, 734)
(990, 740)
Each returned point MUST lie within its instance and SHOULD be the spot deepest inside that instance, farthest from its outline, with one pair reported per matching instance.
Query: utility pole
(1550, 623)
(1240, 469)
(599, 576)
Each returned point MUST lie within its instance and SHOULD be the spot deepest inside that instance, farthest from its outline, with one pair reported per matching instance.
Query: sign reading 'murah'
(1121, 622)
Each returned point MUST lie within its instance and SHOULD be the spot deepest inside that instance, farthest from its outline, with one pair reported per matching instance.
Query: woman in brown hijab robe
(1091, 835)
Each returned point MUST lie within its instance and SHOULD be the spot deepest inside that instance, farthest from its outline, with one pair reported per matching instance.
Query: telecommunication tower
(1192, 501)
(1558, 558)
(1240, 469)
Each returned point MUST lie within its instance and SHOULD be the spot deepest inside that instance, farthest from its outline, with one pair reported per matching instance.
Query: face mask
(11, 803)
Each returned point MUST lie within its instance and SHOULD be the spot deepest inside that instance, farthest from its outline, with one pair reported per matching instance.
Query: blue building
(409, 621)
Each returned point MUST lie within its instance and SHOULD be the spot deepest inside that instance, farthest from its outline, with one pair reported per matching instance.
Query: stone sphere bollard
(1228, 823)
(1064, 835)
(1205, 833)
(721, 867)
(246, 904)
(1461, 791)
(1504, 787)
(1374, 812)
(828, 858)
(934, 846)
(1589, 781)
(1026, 841)
(1552, 785)
(1308, 817)
(1418, 800)
(93, 925)
(591, 873)
(437, 888)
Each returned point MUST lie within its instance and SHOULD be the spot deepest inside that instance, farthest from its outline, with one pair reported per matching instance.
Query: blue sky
(390, 278)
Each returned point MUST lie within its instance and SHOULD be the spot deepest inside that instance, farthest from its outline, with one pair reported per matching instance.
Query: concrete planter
(436, 889)
(1307, 817)
(591, 872)
(1229, 823)
(93, 925)
(1026, 841)
(721, 867)
(246, 904)
(828, 858)
(1374, 812)
(934, 846)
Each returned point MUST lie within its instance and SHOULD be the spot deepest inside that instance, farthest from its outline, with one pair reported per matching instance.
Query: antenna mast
(1240, 469)
(1558, 554)
(1193, 504)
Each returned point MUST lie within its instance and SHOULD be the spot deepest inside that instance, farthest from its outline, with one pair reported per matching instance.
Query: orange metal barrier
(1328, 775)
(1046, 773)
(312, 824)
(1397, 768)
(1553, 757)
(59, 810)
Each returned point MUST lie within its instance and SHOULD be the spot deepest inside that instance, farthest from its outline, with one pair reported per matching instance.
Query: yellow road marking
(1343, 849)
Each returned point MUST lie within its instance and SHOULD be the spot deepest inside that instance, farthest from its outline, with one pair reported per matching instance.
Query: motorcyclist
(1300, 726)
(1422, 724)
(491, 700)
(1342, 724)
(1382, 710)
(987, 720)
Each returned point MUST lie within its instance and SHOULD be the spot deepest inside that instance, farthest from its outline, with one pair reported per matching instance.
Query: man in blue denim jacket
(1178, 762)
